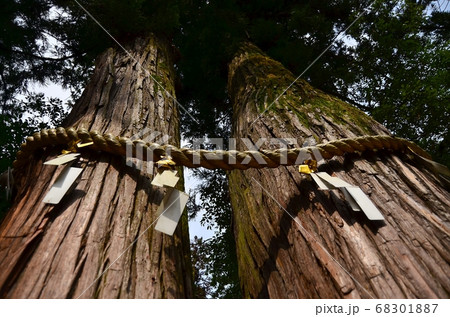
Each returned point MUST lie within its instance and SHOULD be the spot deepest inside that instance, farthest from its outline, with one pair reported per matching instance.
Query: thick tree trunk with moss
(329, 251)
(62, 251)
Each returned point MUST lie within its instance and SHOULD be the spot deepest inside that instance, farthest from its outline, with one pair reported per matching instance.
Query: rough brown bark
(406, 256)
(59, 251)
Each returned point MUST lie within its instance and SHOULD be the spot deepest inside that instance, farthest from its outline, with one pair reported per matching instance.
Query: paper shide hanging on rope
(174, 201)
(356, 198)
(63, 184)
(63, 159)
(65, 181)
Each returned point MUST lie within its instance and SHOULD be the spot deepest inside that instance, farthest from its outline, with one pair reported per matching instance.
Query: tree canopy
(392, 63)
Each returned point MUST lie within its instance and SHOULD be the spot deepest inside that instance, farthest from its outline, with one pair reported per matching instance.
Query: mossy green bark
(265, 81)
(328, 250)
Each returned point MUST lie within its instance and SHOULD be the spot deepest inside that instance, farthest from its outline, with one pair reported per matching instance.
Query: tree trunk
(329, 251)
(61, 251)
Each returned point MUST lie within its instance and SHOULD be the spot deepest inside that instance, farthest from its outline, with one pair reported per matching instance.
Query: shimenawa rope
(227, 160)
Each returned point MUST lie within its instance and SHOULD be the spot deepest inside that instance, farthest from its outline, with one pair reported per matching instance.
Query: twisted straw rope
(227, 160)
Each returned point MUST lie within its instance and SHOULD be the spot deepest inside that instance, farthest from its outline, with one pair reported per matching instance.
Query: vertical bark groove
(406, 256)
(58, 252)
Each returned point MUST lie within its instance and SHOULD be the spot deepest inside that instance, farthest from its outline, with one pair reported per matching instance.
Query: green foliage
(214, 259)
(402, 72)
(23, 118)
(211, 33)
(202, 285)
(34, 48)
(20, 119)
(215, 274)
(124, 20)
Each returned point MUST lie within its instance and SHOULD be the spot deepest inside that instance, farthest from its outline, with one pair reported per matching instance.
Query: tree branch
(43, 58)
